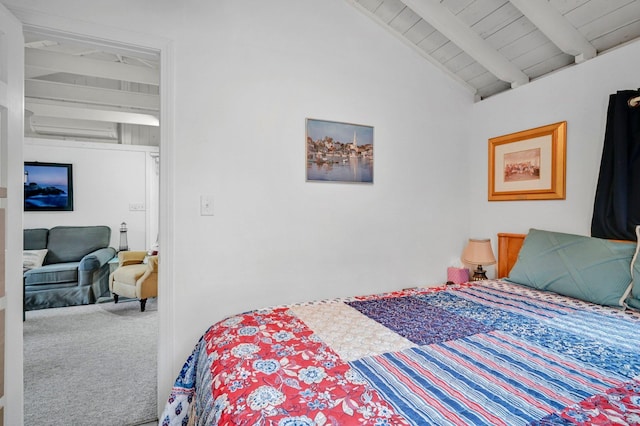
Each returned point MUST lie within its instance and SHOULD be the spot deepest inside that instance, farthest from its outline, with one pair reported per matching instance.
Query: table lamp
(478, 252)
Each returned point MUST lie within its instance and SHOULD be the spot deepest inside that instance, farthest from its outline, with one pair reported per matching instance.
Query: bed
(494, 352)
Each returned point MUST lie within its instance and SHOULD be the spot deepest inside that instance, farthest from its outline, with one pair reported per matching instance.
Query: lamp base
(479, 274)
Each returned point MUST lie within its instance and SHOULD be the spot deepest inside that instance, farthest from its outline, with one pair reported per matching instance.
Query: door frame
(12, 128)
(116, 36)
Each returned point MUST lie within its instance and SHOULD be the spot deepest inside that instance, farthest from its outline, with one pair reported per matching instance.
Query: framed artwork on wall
(339, 152)
(48, 187)
(529, 165)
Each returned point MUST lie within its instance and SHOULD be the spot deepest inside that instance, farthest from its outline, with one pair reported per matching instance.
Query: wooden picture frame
(529, 165)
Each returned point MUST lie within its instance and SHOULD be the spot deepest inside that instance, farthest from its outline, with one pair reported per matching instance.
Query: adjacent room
(90, 229)
(352, 165)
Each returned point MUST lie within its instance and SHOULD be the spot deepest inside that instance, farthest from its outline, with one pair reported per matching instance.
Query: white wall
(247, 74)
(106, 179)
(579, 95)
(276, 238)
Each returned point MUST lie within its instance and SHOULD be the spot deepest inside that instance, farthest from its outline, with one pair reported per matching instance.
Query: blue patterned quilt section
(495, 354)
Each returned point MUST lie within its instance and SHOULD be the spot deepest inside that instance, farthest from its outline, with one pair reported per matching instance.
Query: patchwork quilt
(493, 353)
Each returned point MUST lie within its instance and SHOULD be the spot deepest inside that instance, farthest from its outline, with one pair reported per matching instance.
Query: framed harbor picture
(529, 165)
(339, 152)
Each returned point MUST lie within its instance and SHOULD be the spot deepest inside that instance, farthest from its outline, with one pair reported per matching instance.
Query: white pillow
(33, 258)
(632, 295)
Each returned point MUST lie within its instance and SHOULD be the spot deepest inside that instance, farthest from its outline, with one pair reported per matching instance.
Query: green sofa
(75, 270)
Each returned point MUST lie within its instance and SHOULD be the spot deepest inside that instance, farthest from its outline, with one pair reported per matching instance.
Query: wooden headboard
(508, 248)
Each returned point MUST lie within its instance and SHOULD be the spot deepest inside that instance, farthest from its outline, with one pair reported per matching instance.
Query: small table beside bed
(554, 342)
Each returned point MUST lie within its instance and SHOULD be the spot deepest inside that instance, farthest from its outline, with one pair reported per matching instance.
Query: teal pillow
(634, 298)
(586, 268)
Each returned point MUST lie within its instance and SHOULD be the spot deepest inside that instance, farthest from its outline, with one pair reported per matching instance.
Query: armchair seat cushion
(129, 274)
(55, 273)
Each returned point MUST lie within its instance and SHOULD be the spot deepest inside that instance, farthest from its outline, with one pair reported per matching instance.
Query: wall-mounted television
(48, 187)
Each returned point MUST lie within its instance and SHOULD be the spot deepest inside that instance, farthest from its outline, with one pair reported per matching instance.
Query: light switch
(136, 207)
(206, 205)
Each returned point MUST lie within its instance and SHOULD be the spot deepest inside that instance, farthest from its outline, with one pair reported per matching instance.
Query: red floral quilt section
(271, 369)
(618, 406)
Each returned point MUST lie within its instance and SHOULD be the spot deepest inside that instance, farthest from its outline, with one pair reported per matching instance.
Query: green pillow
(586, 268)
(634, 298)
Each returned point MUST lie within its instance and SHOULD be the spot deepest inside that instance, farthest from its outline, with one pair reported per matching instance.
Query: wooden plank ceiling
(491, 46)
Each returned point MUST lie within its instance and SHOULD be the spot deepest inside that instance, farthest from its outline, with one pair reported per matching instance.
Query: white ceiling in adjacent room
(76, 89)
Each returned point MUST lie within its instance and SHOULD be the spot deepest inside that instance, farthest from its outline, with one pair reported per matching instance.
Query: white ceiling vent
(73, 128)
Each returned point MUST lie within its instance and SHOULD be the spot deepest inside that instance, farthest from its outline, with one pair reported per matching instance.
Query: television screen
(48, 187)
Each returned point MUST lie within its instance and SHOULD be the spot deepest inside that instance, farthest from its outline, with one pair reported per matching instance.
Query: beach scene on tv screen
(45, 187)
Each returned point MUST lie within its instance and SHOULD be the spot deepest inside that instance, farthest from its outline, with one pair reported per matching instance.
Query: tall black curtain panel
(616, 209)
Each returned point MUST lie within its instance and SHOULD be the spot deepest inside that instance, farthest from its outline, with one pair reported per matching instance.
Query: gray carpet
(91, 365)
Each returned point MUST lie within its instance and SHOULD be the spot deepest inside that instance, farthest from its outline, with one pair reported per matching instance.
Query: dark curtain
(616, 210)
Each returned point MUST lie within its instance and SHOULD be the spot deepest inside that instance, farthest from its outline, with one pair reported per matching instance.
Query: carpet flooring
(91, 365)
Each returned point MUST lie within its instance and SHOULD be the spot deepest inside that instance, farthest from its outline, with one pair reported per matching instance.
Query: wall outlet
(136, 207)
(206, 205)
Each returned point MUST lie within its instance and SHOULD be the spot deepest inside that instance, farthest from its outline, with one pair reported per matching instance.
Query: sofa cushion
(71, 243)
(33, 258)
(52, 274)
(34, 239)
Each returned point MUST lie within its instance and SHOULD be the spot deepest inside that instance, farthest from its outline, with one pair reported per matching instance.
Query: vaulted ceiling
(80, 89)
(491, 46)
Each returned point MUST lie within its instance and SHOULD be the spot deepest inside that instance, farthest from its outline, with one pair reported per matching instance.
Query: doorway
(79, 110)
(39, 23)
